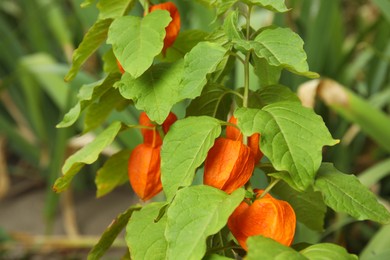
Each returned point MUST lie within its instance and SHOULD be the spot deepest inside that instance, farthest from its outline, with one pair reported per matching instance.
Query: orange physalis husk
(267, 216)
(229, 165)
(120, 67)
(152, 137)
(173, 28)
(253, 141)
(144, 171)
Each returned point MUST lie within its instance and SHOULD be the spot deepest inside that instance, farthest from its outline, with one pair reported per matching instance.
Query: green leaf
(292, 138)
(95, 36)
(260, 247)
(97, 112)
(184, 43)
(184, 149)
(86, 155)
(196, 213)
(230, 26)
(344, 193)
(87, 3)
(280, 47)
(111, 233)
(156, 91)
(216, 257)
(269, 95)
(136, 41)
(224, 5)
(267, 74)
(308, 205)
(214, 101)
(272, 5)
(113, 173)
(114, 8)
(202, 60)
(328, 250)
(87, 95)
(145, 237)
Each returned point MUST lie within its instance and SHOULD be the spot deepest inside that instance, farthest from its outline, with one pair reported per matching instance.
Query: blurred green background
(345, 40)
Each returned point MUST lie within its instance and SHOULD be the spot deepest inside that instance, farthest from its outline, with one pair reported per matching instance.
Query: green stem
(270, 186)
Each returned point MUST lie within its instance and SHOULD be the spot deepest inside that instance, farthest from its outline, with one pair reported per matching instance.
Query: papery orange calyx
(144, 171)
(151, 136)
(229, 165)
(266, 216)
(253, 141)
(173, 28)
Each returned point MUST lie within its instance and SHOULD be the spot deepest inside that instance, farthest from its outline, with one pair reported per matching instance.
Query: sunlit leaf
(95, 36)
(87, 95)
(292, 137)
(144, 236)
(184, 149)
(86, 155)
(136, 41)
(260, 247)
(114, 8)
(156, 91)
(280, 47)
(344, 193)
(273, 5)
(202, 60)
(196, 213)
(331, 251)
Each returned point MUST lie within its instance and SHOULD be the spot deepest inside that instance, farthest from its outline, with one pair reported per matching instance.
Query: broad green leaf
(98, 112)
(344, 193)
(95, 36)
(196, 213)
(114, 8)
(230, 26)
(216, 257)
(214, 101)
(308, 205)
(111, 233)
(280, 47)
(156, 91)
(267, 74)
(113, 173)
(184, 43)
(269, 95)
(292, 137)
(145, 237)
(136, 41)
(327, 251)
(87, 95)
(184, 149)
(87, 3)
(273, 5)
(260, 247)
(202, 60)
(86, 155)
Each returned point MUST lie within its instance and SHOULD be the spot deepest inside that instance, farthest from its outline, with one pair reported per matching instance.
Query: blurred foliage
(345, 40)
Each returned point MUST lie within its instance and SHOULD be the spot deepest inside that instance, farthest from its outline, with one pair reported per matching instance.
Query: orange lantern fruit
(229, 165)
(253, 141)
(266, 216)
(173, 28)
(144, 171)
